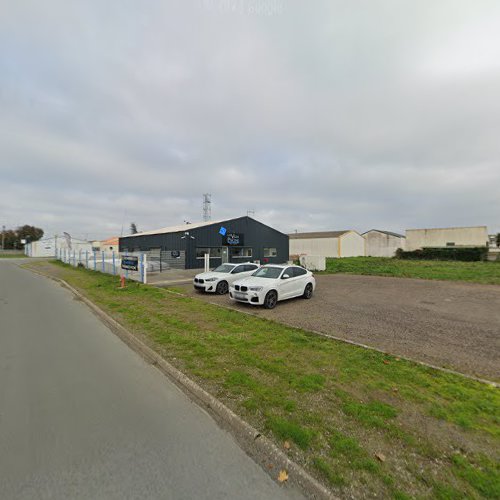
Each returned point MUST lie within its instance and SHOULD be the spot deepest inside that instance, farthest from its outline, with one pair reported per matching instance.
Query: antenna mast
(207, 207)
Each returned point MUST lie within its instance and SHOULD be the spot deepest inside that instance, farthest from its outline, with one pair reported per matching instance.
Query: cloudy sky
(317, 115)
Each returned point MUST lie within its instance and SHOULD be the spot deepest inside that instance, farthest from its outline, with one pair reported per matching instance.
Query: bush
(445, 253)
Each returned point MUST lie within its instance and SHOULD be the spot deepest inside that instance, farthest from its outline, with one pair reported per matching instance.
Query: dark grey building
(234, 240)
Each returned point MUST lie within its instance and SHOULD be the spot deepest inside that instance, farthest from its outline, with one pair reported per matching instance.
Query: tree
(12, 238)
(133, 228)
(29, 233)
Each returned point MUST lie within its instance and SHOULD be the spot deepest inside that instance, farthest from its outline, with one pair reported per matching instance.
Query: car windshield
(268, 272)
(225, 268)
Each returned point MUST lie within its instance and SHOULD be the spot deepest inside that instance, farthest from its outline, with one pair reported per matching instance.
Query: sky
(317, 115)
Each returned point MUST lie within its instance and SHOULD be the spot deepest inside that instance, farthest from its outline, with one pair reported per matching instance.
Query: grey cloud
(327, 115)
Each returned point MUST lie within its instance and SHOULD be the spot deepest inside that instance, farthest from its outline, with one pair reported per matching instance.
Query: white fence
(107, 262)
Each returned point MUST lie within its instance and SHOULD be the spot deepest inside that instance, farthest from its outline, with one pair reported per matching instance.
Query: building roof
(447, 228)
(390, 233)
(188, 227)
(176, 229)
(110, 241)
(60, 237)
(318, 234)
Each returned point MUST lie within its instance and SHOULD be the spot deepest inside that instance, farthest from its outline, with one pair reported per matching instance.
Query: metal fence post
(95, 260)
(87, 259)
(114, 264)
(141, 267)
(103, 265)
(79, 256)
(145, 262)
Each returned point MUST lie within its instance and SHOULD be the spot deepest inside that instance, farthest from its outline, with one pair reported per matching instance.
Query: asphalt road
(446, 323)
(83, 416)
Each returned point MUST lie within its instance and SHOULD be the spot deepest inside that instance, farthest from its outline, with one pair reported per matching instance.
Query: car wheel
(308, 291)
(271, 300)
(222, 288)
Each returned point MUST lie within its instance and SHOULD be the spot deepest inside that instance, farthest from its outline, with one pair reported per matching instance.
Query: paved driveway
(450, 324)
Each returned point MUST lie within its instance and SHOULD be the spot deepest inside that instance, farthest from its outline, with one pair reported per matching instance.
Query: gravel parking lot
(450, 324)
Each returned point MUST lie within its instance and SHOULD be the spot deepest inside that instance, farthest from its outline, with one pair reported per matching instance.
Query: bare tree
(133, 228)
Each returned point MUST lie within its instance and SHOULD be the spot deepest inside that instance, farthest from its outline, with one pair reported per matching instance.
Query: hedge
(447, 253)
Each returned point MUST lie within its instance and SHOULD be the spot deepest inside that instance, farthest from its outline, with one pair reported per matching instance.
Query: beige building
(327, 244)
(476, 236)
(382, 243)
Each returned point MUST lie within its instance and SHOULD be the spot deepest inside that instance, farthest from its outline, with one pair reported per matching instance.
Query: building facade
(241, 239)
(334, 244)
(49, 247)
(476, 236)
(382, 243)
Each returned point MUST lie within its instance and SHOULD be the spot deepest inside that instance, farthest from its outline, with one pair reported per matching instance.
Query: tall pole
(3, 237)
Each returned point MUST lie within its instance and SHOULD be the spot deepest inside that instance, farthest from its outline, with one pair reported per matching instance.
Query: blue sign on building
(223, 231)
(233, 239)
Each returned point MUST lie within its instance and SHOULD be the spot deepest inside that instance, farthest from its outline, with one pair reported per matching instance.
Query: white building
(48, 247)
(382, 243)
(327, 244)
(476, 236)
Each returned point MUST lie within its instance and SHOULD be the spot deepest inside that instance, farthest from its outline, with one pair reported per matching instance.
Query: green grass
(476, 272)
(337, 404)
(12, 255)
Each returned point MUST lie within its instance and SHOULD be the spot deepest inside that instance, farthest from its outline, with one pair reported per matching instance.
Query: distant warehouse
(232, 240)
(336, 244)
(382, 243)
(476, 236)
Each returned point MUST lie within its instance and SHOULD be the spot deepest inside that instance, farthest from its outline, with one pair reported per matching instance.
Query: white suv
(273, 282)
(218, 280)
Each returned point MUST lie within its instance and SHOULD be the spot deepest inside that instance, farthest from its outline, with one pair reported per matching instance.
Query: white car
(218, 280)
(273, 282)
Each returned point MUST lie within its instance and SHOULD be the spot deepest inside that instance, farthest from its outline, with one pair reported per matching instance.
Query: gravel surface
(449, 324)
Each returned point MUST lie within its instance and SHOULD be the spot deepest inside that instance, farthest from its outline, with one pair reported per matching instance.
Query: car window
(225, 268)
(238, 269)
(268, 272)
(299, 271)
(289, 271)
(251, 267)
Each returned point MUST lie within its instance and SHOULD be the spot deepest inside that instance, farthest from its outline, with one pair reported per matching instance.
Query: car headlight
(255, 288)
(211, 279)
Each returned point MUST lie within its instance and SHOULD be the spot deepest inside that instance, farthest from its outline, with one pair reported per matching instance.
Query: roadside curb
(257, 446)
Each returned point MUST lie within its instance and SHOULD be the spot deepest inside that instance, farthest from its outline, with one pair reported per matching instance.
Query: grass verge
(475, 272)
(364, 423)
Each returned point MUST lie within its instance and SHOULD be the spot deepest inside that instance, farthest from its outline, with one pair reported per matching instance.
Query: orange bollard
(122, 282)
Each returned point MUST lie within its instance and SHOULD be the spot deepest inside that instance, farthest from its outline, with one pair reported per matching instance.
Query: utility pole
(3, 237)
